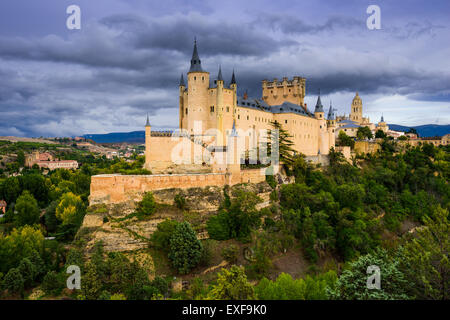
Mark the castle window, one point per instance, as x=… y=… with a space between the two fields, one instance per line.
x=211 y=109
x=195 y=78
x=186 y=110
x=239 y=116
x=285 y=121
x=247 y=118
x=228 y=109
x=203 y=78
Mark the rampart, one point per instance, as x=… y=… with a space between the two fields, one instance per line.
x=116 y=188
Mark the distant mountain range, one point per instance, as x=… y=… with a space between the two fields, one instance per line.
x=117 y=137
x=427 y=130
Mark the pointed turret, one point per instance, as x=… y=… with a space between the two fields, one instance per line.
x=219 y=76
x=319 y=106
x=233 y=79
x=148 y=122
x=382 y=118
x=196 y=64
x=182 y=81
x=331 y=113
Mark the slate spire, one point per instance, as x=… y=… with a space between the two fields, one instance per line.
x=319 y=106
x=196 y=64
x=233 y=78
x=219 y=76
x=182 y=81
x=331 y=112
x=148 y=121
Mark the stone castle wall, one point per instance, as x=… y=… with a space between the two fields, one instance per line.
x=116 y=188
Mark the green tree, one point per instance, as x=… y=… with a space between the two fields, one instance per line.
x=53 y=283
x=363 y=133
x=70 y=210
x=185 y=249
x=379 y=134
x=21 y=158
x=14 y=282
x=286 y=288
x=352 y=283
x=425 y=258
x=236 y=218
x=164 y=231
x=28 y=272
x=20 y=243
x=345 y=140
x=27 y=210
x=285 y=143
x=147 y=206
x=232 y=284
x=91 y=285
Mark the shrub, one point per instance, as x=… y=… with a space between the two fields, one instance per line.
x=28 y=272
x=27 y=210
x=147 y=206
x=270 y=179
x=207 y=251
x=53 y=283
x=217 y=226
x=180 y=201
x=232 y=284
x=161 y=285
x=185 y=248
x=164 y=231
x=230 y=253
x=14 y=281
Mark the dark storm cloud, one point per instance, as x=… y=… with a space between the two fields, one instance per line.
x=108 y=75
x=289 y=24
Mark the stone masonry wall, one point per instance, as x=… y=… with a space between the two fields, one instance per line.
x=116 y=188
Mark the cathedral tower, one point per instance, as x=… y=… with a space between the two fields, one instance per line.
x=356 y=109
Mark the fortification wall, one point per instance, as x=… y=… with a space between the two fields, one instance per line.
x=116 y=188
x=252 y=176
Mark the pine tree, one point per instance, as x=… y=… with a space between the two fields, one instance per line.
x=285 y=143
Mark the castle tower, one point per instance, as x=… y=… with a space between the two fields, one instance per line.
x=356 y=109
x=293 y=91
x=331 y=123
x=197 y=95
x=182 y=91
x=148 y=134
x=219 y=115
x=331 y=118
x=319 y=114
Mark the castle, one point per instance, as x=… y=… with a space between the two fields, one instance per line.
x=218 y=129
x=210 y=111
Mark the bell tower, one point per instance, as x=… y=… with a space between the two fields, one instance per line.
x=356 y=109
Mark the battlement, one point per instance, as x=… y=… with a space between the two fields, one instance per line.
x=276 y=92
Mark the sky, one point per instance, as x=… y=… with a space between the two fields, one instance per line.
x=127 y=58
